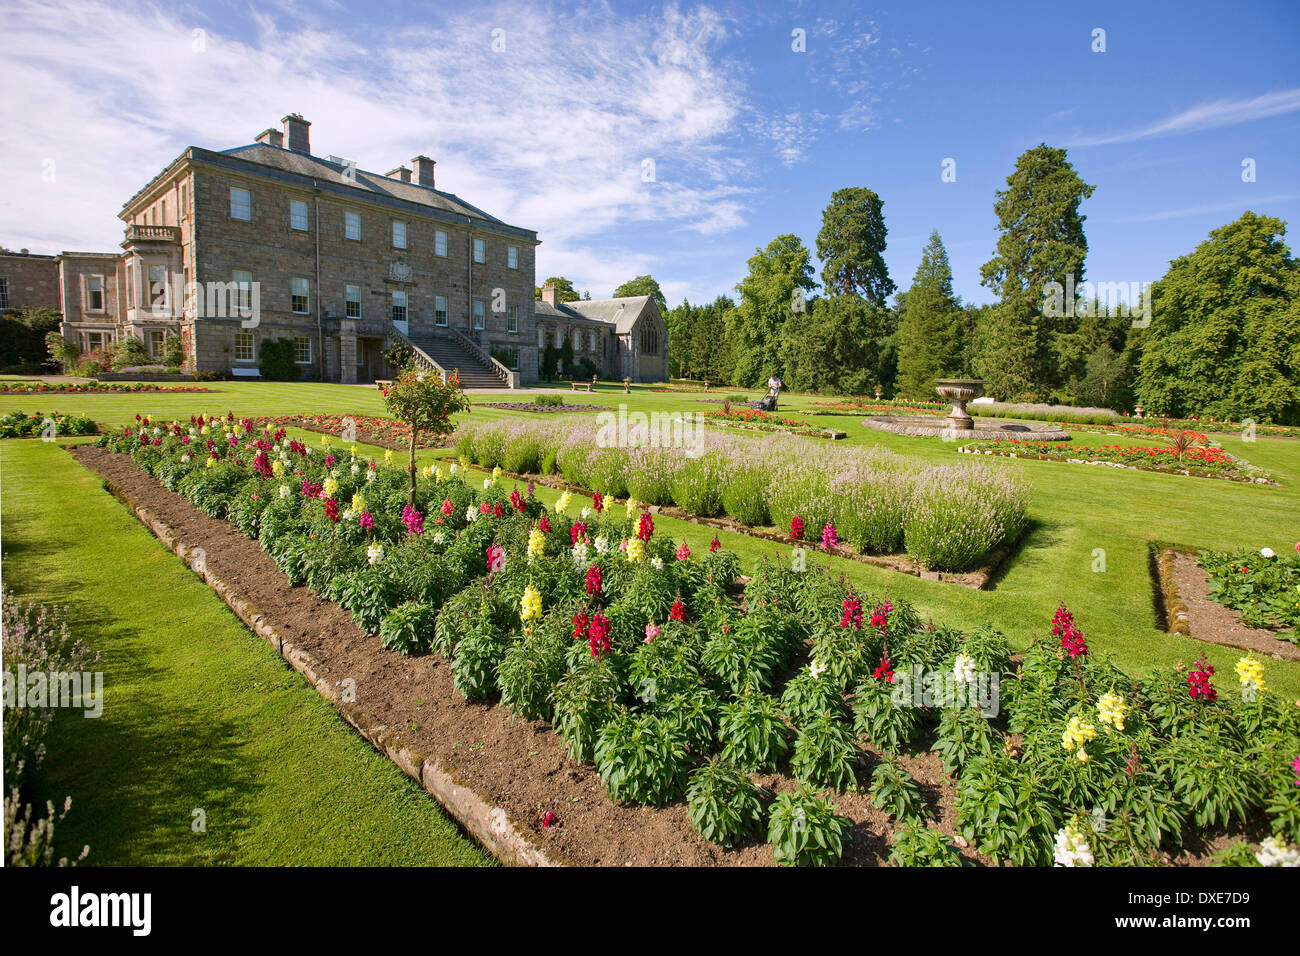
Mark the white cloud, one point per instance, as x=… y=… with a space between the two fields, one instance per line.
x=1210 y=115
x=549 y=134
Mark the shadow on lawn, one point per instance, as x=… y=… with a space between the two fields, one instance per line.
x=137 y=773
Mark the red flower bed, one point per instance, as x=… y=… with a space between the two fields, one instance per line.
x=91 y=388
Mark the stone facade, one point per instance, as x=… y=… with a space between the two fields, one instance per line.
x=28 y=281
x=624 y=338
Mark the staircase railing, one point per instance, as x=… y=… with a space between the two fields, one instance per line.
x=511 y=379
x=422 y=358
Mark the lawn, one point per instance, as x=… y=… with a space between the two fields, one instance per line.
x=1087 y=547
x=199 y=714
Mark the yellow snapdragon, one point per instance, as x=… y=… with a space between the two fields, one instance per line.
x=530 y=606
x=536 y=543
x=331 y=487
x=562 y=503
x=1110 y=710
x=635 y=550
x=1077 y=733
x=1250 y=672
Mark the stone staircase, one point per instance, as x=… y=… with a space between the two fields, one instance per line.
x=451 y=355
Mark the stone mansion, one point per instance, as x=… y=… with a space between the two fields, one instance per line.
x=267 y=241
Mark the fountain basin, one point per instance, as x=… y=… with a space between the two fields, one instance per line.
x=959 y=425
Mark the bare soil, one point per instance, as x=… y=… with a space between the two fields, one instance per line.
x=1213 y=622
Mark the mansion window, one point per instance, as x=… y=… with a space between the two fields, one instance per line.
x=95 y=341
x=541 y=337
x=509 y=358
x=593 y=341
x=241 y=204
x=512 y=257
x=156 y=340
x=302 y=350
x=480 y=250
x=399 y=306
x=299 y=293
x=512 y=318
x=157 y=286
x=480 y=314
x=559 y=337
x=4 y=293
x=399 y=235
x=440 y=310
x=577 y=340
x=352 y=301
x=243 y=281
x=440 y=243
x=245 y=350
x=183 y=211
x=298 y=215
x=94 y=293
x=352 y=226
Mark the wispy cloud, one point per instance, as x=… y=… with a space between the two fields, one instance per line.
x=1236 y=204
x=552 y=132
x=1210 y=115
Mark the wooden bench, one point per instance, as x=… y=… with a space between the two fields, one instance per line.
x=582 y=386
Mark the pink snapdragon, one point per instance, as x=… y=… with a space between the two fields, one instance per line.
x=413 y=520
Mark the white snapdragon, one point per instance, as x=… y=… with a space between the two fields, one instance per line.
x=471 y=514
x=284 y=491
x=581 y=552
x=1072 y=848
x=963 y=669
x=657 y=563
x=439 y=538
x=374 y=554
x=370 y=476
x=816 y=668
x=1275 y=852
x=602 y=545
x=355 y=469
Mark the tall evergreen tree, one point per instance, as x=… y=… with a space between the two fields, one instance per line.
x=843 y=345
x=1041 y=241
x=930 y=339
x=851 y=246
x=767 y=298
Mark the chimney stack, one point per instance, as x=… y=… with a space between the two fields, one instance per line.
x=295 y=133
x=423 y=170
x=271 y=137
x=550 y=294
x=401 y=172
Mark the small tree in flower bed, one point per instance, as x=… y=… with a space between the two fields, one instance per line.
x=425 y=403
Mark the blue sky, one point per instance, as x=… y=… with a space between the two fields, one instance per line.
x=549 y=121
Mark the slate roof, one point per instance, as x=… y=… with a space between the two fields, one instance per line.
x=620 y=313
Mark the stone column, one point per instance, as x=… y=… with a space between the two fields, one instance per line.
x=348 y=352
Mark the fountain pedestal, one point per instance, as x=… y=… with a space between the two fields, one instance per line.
x=959 y=391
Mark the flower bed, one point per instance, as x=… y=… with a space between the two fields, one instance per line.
x=945 y=517
x=636 y=654
x=1263 y=586
x=91 y=388
x=756 y=419
x=1211 y=425
x=1197 y=462
x=23 y=425
x=899 y=406
x=383 y=432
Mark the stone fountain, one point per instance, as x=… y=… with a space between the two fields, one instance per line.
x=959 y=425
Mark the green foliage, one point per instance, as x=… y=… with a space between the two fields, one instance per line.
x=643 y=285
x=1266 y=592
x=825 y=754
x=408 y=628
x=1041 y=240
x=915 y=844
x=528 y=672
x=753 y=735
x=277 y=364
x=963 y=735
x=399 y=357
x=806 y=697
x=841 y=345
x=723 y=803
x=1001 y=808
x=585 y=700
x=1225 y=321
x=478 y=655
x=894 y=790
x=642 y=758
x=779 y=275
x=565 y=292
x=931 y=326
x=888 y=725
x=805 y=830
x=851 y=246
